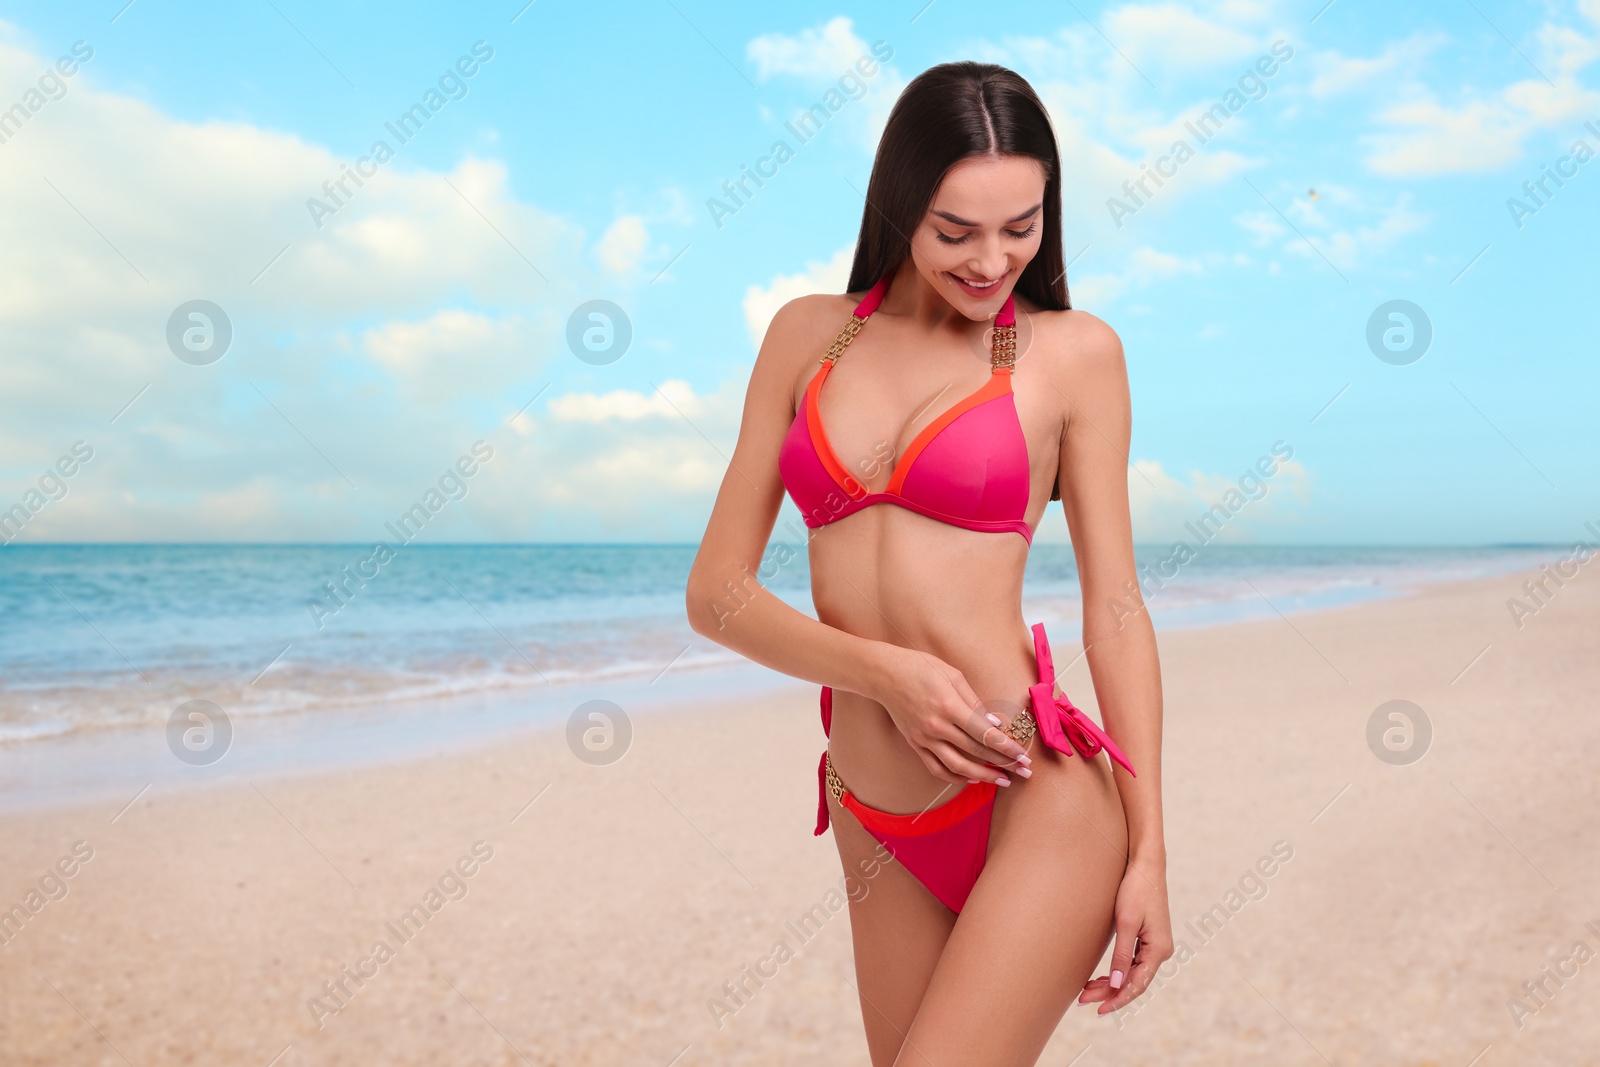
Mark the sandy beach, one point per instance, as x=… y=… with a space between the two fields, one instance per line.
x=517 y=905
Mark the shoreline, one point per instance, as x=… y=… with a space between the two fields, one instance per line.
x=59 y=678
x=101 y=764
x=118 y=756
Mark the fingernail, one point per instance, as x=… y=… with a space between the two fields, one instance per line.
x=1116 y=979
x=994 y=720
x=1002 y=781
x=1024 y=772
x=1025 y=760
x=972 y=781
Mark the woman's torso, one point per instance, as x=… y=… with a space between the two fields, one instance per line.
x=887 y=573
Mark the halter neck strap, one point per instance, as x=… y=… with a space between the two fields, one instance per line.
x=874 y=297
x=1003 y=346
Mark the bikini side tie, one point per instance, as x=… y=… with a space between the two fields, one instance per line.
x=1063 y=726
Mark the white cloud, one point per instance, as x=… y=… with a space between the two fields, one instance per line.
x=1263 y=226
x=820 y=55
x=1161 y=504
x=1343 y=225
x=374 y=347
x=1486 y=132
x=675 y=399
x=761 y=303
x=1432 y=139
x=1336 y=73
x=1104 y=126
x=1173 y=37
x=623 y=463
x=446 y=354
x=1346 y=244
x=622 y=245
x=1143 y=266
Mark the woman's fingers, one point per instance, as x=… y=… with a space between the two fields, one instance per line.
x=1121 y=963
x=1132 y=973
x=955 y=734
x=996 y=746
x=965 y=768
x=1139 y=976
x=1096 y=989
x=937 y=768
x=983 y=725
x=998 y=741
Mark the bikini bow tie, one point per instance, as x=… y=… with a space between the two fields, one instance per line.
x=1062 y=725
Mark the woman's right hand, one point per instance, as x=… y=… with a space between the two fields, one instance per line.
x=945 y=722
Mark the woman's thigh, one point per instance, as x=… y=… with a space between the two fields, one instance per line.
x=898 y=929
x=1037 y=922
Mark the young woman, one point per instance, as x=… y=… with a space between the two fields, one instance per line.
x=921 y=469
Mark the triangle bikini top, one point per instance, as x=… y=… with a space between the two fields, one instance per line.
x=967 y=468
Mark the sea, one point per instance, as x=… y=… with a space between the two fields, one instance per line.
x=326 y=655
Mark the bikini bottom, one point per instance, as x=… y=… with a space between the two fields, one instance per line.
x=945 y=847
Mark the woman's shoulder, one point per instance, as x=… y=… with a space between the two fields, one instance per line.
x=819 y=310
x=805 y=322
x=1077 y=342
x=798 y=334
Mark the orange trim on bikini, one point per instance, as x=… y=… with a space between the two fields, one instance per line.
x=998 y=385
x=819 y=438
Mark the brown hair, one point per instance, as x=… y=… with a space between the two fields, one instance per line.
x=949 y=113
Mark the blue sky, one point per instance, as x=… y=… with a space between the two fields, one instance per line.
x=576 y=161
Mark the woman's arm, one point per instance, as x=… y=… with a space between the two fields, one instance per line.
x=1119 y=641
x=929 y=700
x=725 y=600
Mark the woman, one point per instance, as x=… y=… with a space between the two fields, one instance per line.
x=950 y=750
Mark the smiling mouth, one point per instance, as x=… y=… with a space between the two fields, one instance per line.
x=979 y=287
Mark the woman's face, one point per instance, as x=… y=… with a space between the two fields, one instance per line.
x=982 y=228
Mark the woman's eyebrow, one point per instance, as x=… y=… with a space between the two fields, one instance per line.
x=957 y=220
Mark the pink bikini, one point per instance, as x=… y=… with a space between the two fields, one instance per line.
x=967 y=468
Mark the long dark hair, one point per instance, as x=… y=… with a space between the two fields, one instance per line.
x=948 y=113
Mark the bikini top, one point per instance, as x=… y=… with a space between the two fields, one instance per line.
x=968 y=467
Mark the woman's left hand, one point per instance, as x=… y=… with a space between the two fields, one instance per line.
x=1141 y=916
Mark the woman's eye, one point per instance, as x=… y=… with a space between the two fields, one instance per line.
x=947 y=239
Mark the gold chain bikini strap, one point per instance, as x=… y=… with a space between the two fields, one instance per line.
x=842 y=342
x=1022 y=728
x=1002 y=350
x=835 y=783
